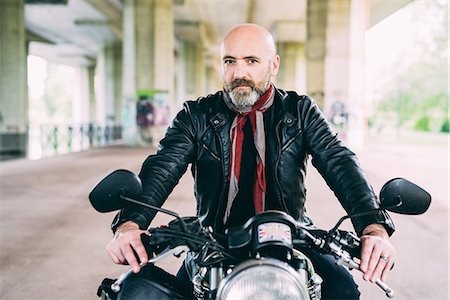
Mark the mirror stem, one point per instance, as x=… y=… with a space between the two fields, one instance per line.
x=369 y=212
x=160 y=209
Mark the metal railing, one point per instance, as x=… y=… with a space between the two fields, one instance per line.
x=57 y=139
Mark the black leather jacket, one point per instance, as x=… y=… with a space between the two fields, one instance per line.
x=200 y=136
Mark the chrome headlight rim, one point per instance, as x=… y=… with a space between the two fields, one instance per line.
x=224 y=285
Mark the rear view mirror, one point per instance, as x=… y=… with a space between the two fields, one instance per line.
x=106 y=195
x=404 y=197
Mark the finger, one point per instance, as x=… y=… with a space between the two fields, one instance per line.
x=140 y=250
x=387 y=268
x=114 y=257
x=115 y=253
x=130 y=257
x=372 y=260
x=379 y=269
x=366 y=251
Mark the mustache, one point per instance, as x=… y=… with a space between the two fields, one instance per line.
x=241 y=81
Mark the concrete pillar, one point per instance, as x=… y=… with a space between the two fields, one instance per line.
x=91 y=93
x=13 y=80
x=194 y=69
x=335 y=61
x=117 y=61
x=337 y=58
x=129 y=78
x=109 y=85
x=347 y=22
x=214 y=81
x=358 y=122
x=180 y=73
x=292 y=75
x=148 y=60
x=81 y=108
x=316 y=48
x=163 y=62
x=101 y=90
x=81 y=104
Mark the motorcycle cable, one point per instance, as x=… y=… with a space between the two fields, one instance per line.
x=160 y=209
x=369 y=212
x=168 y=233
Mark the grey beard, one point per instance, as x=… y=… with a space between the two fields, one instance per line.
x=243 y=100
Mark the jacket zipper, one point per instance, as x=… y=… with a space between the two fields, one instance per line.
x=225 y=176
x=277 y=181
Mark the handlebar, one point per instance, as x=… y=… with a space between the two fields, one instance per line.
x=188 y=234
x=345 y=246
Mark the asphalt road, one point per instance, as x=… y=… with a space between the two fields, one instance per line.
x=52 y=241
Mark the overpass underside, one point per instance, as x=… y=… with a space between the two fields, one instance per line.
x=141 y=58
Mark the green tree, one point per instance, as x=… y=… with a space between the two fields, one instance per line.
x=417 y=92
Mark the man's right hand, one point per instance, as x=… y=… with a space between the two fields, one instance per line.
x=126 y=245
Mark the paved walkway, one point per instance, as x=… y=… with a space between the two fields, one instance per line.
x=52 y=242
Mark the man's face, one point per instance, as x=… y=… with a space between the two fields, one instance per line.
x=247 y=68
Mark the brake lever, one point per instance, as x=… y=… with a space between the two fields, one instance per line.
x=387 y=290
x=177 y=251
x=346 y=246
x=346 y=259
x=345 y=256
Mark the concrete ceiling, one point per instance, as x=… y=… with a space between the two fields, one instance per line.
x=72 y=31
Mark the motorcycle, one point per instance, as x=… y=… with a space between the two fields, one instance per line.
x=263 y=259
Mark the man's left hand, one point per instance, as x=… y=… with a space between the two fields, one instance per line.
x=377 y=253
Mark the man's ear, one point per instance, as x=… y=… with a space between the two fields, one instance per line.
x=275 y=65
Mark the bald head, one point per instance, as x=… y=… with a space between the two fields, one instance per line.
x=248 y=35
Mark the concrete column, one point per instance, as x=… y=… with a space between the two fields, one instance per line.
x=81 y=105
x=101 y=90
x=214 y=81
x=109 y=84
x=143 y=27
x=195 y=70
x=129 y=78
x=180 y=71
x=163 y=48
x=81 y=108
x=91 y=93
x=344 y=67
x=117 y=61
x=359 y=23
x=316 y=26
x=337 y=58
x=13 y=80
x=292 y=75
x=148 y=60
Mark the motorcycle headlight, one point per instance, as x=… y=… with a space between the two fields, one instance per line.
x=266 y=279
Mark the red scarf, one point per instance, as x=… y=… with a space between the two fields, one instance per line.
x=255 y=115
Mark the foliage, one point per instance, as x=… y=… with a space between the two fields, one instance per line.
x=445 y=126
x=416 y=93
x=423 y=124
x=54 y=105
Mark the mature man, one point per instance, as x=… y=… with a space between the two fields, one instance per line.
x=248 y=146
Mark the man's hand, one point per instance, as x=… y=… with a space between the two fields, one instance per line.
x=126 y=246
x=377 y=253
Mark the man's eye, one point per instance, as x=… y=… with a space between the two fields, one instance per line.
x=252 y=61
x=228 y=61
